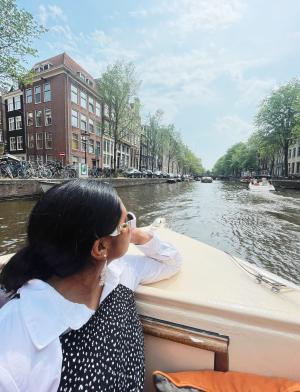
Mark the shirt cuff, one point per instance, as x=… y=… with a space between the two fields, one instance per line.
x=152 y=247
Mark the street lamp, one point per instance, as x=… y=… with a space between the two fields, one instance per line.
x=85 y=134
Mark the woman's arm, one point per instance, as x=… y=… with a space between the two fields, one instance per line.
x=161 y=260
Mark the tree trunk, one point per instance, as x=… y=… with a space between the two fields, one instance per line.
x=286 y=151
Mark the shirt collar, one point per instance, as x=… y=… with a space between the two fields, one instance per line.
x=47 y=314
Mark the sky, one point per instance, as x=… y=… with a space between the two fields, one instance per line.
x=207 y=64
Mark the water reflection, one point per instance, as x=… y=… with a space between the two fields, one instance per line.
x=263 y=229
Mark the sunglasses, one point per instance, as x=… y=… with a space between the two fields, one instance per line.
x=130 y=223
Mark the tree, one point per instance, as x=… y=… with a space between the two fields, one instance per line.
x=118 y=88
x=17 y=31
x=278 y=119
x=153 y=134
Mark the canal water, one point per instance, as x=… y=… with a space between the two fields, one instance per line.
x=262 y=229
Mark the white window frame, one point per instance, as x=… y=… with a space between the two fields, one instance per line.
x=31 y=140
x=83 y=119
x=83 y=99
x=36 y=93
x=74 y=92
x=39 y=138
x=19 y=143
x=38 y=111
x=74 y=117
x=91 y=146
x=48 y=138
x=11 y=124
x=47 y=117
x=98 y=109
x=48 y=91
x=12 y=144
x=75 y=138
x=17 y=102
x=91 y=103
x=18 y=122
x=28 y=96
x=91 y=126
x=10 y=105
x=28 y=117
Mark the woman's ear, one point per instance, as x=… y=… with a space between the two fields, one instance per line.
x=99 y=250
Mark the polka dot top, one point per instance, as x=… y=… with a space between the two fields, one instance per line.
x=106 y=353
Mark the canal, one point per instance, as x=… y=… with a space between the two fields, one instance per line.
x=262 y=229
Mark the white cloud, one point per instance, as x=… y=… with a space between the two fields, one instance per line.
x=50 y=12
x=186 y=16
x=232 y=128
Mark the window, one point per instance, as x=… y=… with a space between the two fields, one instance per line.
x=74 y=94
x=98 y=129
x=91 y=126
x=30 y=141
x=28 y=94
x=47 y=92
x=18 y=102
x=293 y=168
x=294 y=152
x=39 y=141
x=91 y=104
x=18 y=122
x=81 y=75
x=49 y=158
x=98 y=109
x=91 y=146
x=29 y=119
x=37 y=94
x=106 y=111
x=98 y=148
x=38 y=118
x=1 y=137
x=48 y=117
x=48 y=140
x=290 y=153
x=298 y=168
x=83 y=99
x=83 y=143
x=12 y=144
x=19 y=142
x=74 y=119
x=11 y=124
x=10 y=104
x=83 y=122
x=298 y=151
x=75 y=141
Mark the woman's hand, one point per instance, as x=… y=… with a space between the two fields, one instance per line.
x=140 y=237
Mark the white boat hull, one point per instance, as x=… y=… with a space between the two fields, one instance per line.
x=261 y=188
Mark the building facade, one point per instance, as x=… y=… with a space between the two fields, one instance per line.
x=63 y=114
x=14 y=135
x=294 y=159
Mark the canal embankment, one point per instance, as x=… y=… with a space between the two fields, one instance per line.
x=19 y=188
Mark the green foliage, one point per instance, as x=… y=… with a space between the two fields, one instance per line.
x=17 y=31
x=277 y=120
x=118 y=88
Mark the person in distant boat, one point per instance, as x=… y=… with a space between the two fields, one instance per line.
x=71 y=322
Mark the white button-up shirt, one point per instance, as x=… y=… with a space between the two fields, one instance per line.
x=30 y=350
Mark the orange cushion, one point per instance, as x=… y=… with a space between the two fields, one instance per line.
x=212 y=381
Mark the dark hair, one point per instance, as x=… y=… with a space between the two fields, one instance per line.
x=62 y=228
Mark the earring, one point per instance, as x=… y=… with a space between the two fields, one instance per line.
x=103 y=273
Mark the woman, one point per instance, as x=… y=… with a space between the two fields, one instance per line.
x=71 y=323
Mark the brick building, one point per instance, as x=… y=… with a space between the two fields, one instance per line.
x=63 y=113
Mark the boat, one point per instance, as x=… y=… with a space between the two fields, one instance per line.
x=207 y=179
x=261 y=186
x=219 y=312
x=171 y=180
x=47 y=184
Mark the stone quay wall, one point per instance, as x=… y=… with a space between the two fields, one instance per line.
x=15 y=188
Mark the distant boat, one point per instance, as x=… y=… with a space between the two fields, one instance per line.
x=263 y=186
x=206 y=179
